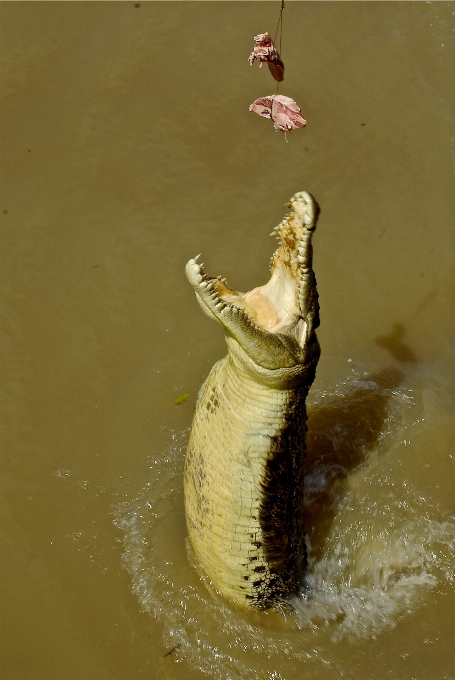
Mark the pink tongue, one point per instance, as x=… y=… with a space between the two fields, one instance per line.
x=257 y=306
x=260 y=309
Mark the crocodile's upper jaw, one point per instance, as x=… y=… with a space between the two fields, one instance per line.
x=281 y=305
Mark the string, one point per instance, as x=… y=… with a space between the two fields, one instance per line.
x=280 y=23
x=280 y=27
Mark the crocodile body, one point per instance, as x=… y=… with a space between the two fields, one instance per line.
x=244 y=467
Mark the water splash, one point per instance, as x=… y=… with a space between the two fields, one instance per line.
x=374 y=552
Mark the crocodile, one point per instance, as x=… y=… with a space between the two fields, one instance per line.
x=244 y=465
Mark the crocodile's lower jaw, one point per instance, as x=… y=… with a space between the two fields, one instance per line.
x=243 y=478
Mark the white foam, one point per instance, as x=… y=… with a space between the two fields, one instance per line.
x=385 y=549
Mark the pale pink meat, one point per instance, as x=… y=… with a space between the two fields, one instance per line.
x=284 y=111
x=265 y=52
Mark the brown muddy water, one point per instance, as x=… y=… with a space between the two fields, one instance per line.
x=127 y=149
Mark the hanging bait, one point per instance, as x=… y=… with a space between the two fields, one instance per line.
x=266 y=52
x=282 y=110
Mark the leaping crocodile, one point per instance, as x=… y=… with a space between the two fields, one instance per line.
x=244 y=467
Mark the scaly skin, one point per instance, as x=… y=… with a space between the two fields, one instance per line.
x=244 y=466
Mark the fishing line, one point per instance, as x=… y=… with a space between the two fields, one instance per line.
x=279 y=27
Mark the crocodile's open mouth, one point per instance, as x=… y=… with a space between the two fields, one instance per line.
x=277 y=306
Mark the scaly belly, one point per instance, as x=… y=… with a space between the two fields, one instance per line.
x=243 y=486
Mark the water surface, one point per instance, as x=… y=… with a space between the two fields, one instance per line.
x=127 y=149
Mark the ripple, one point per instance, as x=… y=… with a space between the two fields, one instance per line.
x=382 y=549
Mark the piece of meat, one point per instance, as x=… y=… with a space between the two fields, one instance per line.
x=284 y=112
x=266 y=52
